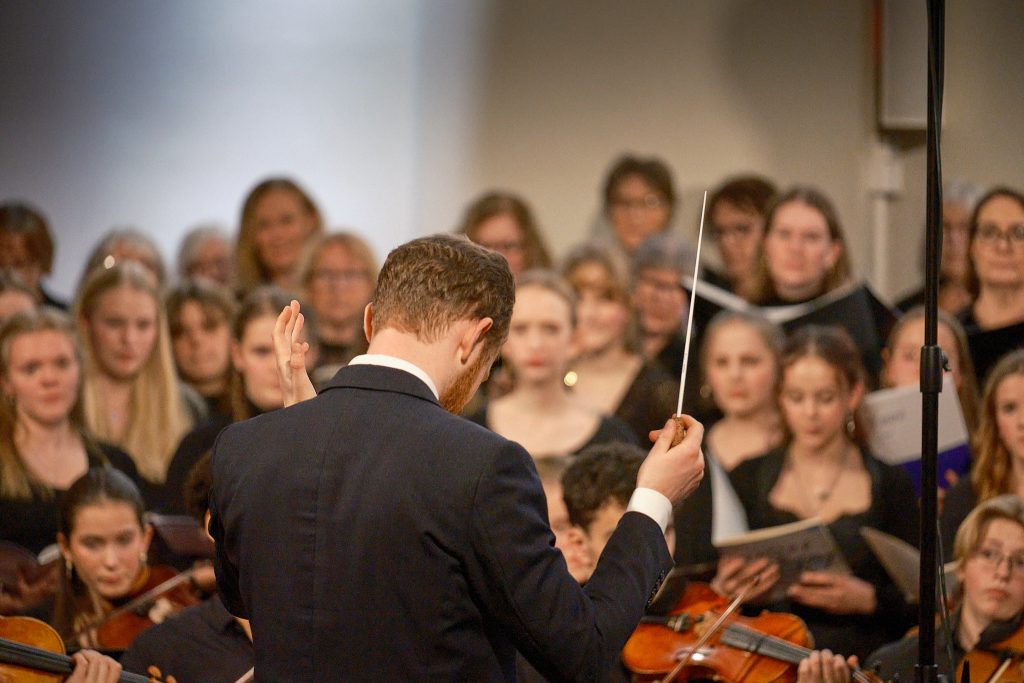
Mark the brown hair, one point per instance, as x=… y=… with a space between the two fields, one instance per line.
x=652 y=170
x=817 y=200
x=22 y=219
x=967 y=392
x=600 y=475
x=747 y=192
x=834 y=346
x=248 y=269
x=973 y=284
x=263 y=301
x=430 y=283
x=16 y=481
x=992 y=473
x=498 y=203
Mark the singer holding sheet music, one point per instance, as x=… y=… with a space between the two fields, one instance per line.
x=824 y=471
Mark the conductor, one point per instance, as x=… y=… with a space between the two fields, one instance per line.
x=370 y=534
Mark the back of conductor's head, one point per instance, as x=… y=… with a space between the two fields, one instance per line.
x=430 y=283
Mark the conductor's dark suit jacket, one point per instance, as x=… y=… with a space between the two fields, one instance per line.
x=370 y=535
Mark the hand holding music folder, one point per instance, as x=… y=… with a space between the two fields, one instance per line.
x=804 y=546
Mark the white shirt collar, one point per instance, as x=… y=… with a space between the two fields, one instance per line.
x=397 y=364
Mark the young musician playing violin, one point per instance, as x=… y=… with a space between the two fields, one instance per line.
x=204 y=643
x=988 y=619
x=104 y=540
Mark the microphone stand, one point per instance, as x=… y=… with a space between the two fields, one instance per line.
x=932 y=361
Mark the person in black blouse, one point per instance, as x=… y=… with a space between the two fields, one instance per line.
x=44 y=444
x=254 y=387
x=823 y=470
x=540 y=413
x=609 y=373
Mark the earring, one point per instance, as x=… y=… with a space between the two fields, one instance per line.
x=705 y=391
x=851 y=424
x=69 y=567
x=143 y=557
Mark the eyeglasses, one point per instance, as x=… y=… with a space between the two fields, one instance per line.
x=339 y=277
x=660 y=286
x=649 y=202
x=991 y=235
x=992 y=559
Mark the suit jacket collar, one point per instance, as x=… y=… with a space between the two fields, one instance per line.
x=380 y=378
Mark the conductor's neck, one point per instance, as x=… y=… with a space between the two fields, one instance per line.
x=433 y=358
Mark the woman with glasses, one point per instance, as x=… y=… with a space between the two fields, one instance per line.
x=503 y=222
x=995 y=277
x=997 y=447
x=736 y=217
x=338 y=275
x=639 y=201
x=990 y=571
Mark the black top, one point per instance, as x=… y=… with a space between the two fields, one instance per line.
x=608 y=429
x=371 y=535
x=649 y=401
x=670 y=359
x=195 y=444
x=988 y=346
x=893 y=509
x=33 y=523
x=202 y=644
x=960 y=500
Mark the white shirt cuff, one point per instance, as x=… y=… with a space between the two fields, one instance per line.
x=653 y=504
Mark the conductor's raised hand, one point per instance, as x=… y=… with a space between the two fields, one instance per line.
x=674 y=471
x=291 y=356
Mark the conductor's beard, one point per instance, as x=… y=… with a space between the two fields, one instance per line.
x=458 y=393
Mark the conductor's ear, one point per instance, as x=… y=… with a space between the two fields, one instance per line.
x=368 y=321
x=474 y=337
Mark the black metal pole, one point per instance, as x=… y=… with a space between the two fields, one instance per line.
x=931 y=354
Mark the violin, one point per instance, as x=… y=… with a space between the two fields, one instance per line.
x=1001 y=662
x=158 y=592
x=33 y=652
x=761 y=649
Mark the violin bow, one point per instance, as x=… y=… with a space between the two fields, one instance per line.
x=713 y=629
x=134 y=603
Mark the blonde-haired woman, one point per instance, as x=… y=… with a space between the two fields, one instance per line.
x=131 y=393
x=997 y=447
x=44 y=442
x=278 y=220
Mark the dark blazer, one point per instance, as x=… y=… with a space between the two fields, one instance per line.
x=371 y=535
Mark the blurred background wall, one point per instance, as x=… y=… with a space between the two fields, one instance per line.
x=395 y=113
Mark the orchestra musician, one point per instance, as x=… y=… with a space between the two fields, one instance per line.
x=103 y=540
x=469 y=573
x=990 y=610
